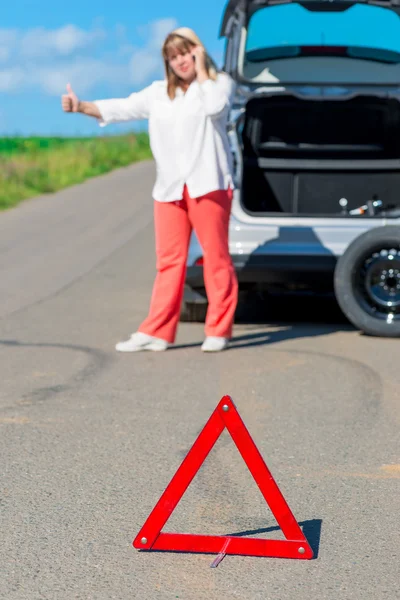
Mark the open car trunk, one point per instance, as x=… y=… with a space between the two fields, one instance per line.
x=301 y=156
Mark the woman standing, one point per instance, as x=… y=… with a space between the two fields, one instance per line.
x=187 y=115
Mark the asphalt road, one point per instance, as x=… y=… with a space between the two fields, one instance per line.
x=89 y=438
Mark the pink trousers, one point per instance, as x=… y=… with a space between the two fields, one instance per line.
x=209 y=217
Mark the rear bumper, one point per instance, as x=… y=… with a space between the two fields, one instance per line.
x=273 y=269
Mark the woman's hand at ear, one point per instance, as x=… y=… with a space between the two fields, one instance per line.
x=199 y=55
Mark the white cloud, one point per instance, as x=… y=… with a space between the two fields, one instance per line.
x=8 y=40
x=121 y=32
x=42 y=43
x=11 y=79
x=147 y=62
x=143 y=65
x=4 y=54
x=126 y=49
x=159 y=31
x=8 y=37
x=47 y=59
x=64 y=41
x=83 y=76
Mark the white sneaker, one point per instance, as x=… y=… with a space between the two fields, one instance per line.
x=141 y=341
x=215 y=344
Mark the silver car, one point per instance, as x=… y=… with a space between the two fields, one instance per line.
x=315 y=134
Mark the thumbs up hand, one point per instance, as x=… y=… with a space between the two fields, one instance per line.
x=70 y=101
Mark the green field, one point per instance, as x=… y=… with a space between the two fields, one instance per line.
x=34 y=166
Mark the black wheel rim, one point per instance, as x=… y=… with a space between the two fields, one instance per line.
x=376 y=283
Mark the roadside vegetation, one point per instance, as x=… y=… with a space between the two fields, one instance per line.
x=33 y=166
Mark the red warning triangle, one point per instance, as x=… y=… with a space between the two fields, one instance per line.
x=150 y=536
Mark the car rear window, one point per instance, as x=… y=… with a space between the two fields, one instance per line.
x=290 y=30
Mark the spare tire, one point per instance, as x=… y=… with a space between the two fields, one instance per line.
x=367 y=282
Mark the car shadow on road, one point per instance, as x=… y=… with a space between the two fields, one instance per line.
x=275 y=336
x=311 y=529
x=285 y=318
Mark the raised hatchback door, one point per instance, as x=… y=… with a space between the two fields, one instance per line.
x=235 y=7
x=313 y=41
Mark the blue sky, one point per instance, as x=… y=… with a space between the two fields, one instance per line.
x=112 y=48
x=105 y=49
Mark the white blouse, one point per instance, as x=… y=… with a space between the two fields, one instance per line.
x=188 y=135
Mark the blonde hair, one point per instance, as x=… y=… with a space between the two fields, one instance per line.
x=183 y=39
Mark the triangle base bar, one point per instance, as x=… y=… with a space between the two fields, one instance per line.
x=209 y=544
x=151 y=537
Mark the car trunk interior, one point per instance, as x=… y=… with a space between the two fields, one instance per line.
x=301 y=156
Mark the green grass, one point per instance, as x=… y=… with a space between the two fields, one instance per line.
x=34 y=166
